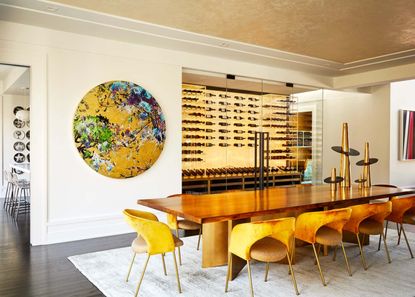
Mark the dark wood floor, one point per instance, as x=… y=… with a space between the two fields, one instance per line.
x=27 y=271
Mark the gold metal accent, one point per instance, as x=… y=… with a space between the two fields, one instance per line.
x=333 y=185
x=346 y=260
x=228 y=275
x=386 y=248
x=399 y=233
x=198 y=240
x=366 y=168
x=266 y=271
x=131 y=266
x=318 y=264
x=177 y=271
x=362 y=256
x=164 y=264
x=318 y=253
x=344 y=158
x=406 y=239
x=360 y=184
x=178 y=248
x=142 y=276
x=250 y=277
x=292 y=274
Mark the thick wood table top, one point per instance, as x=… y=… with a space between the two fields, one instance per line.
x=245 y=204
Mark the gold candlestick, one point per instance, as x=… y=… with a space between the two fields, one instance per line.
x=333 y=184
x=344 y=159
x=366 y=168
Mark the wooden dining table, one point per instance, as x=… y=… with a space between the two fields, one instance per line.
x=219 y=213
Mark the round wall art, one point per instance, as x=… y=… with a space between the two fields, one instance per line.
x=119 y=129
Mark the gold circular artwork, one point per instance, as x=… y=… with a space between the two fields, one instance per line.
x=119 y=129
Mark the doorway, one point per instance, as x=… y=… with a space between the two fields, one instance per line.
x=15 y=152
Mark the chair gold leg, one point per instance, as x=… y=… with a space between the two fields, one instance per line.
x=198 y=240
x=266 y=271
x=131 y=266
x=380 y=237
x=318 y=264
x=250 y=277
x=177 y=272
x=362 y=256
x=228 y=274
x=318 y=253
x=292 y=274
x=335 y=253
x=407 y=242
x=386 y=248
x=346 y=260
x=399 y=233
x=178 y=248
x=164 y=264
x=142 y=276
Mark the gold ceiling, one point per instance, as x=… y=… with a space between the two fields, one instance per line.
x=337 y=30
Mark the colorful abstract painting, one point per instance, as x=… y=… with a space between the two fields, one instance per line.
x=119 y=129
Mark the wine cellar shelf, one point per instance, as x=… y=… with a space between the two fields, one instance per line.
x=219 y=130
x=241 y=182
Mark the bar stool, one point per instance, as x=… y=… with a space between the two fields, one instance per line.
x=21 y=197
x=9 y=190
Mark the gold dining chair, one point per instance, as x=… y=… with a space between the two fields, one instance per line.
x=176 y=224
x=153 y=238
x=265 y=241
x=323 y=228
x=403 y=212
x=367 y=219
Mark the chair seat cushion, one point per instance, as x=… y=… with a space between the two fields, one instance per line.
x=328 y=236
x=188 y=225
x=268 y=249
x=409 y=218
x=140 y=246
x=371 y=227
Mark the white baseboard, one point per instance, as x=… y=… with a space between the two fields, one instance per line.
x=91 y=227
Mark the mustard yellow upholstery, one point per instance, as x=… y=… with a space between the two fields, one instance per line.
x=266 y=241
x=157 y=235
x=243 y=236
x=323 y=227
x=176 y=224
x=139 y=245
x=403 y=212
x=368 y=219
x=308 y=224
x=377 y=212
x=400 y=208
x=153 y=237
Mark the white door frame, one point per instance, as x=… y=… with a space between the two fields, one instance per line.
x=36 y=59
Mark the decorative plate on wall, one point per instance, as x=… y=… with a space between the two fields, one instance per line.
x=19 y=134
x=16 y=109
x=19 y=146
x=18 y=123
x=19 y=158
x=28 y=133
x=119 y=129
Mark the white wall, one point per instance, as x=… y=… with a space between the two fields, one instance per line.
x=402 y=173
x=70 y=201
x=368 y=120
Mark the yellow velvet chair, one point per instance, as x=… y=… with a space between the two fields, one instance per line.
x=323 y=228
x=265 y=241
x=176 y=224
x=367 y=219
x=153 y=238
x=403 y=212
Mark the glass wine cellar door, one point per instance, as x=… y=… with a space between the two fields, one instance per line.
x=238 y=133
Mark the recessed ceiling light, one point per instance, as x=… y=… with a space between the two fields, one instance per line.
x=52 y=8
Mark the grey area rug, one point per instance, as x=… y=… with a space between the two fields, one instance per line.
x=107 y=271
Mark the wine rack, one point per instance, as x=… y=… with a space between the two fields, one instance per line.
x=218 y=130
